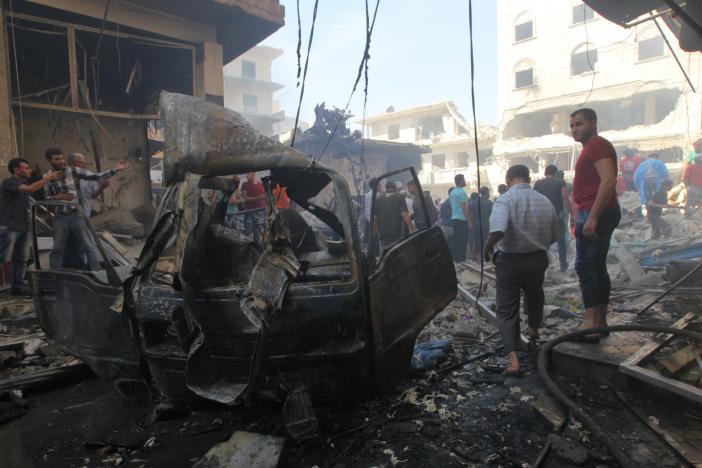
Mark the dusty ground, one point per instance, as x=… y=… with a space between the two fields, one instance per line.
x=468 y=415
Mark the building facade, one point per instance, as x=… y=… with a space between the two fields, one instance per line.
x=554 y=57
x=249 y=88
x=85 y=75
x=443 y=129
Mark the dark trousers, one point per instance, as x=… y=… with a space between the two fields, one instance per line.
x=459 y=239
x=591 y=257
x=562 y=248
x=659 y=226
x=516 y=273
x=14 y=247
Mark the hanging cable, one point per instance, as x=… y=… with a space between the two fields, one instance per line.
x=304 y=73
x=364 y=168
x=299 y=43
x=20 y=150
x=475 y=140
x=364 y=61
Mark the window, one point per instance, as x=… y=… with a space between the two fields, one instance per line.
x=393 y=132
x=250 y=103
x=650 y=44
x=582 y=13
x=438 y=160
x=248 y=69
x=524 y=31
x=583 y=59
x=462 y=159
x=524 y=74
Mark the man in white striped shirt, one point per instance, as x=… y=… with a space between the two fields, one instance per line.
x=523 y=225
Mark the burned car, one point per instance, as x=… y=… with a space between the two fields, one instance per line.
x=211 y=310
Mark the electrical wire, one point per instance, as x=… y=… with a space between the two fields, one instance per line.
x=304 y=73
x=299 y=43
x=361 y=66
x=475 y=140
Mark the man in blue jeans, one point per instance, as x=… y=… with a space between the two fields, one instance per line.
x=555 y=190
x=594 y=193
x=14 y=219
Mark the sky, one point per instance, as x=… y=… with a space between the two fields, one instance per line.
x=419 y=54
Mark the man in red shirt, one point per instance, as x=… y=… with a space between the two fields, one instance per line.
x=594 y=193
x=692 y=177
x=254 y=202
x=629 y=163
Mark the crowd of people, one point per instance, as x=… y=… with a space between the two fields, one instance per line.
x=70 y=185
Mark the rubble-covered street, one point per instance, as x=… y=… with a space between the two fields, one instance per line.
x=459 y=411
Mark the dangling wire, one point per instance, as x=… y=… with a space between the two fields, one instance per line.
x=477 y=151
x=299 y=43
x=361 y=66
x=20 y=150
x=304 y=73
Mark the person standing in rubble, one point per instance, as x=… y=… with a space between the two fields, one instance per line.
x=14 y=219
x=67 y=220
x=480 y=211
x=391 y=217
x=555 y=190
x=629 y=163
x=523 y=225
x=421 y=221
x=692 y=178
x=458 y=243
x=649 y=176
x=253 y=195
x=89 y=189
x=594 y=193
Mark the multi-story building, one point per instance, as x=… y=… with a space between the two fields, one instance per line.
x=443 y=129
x=249 y=88
x=554 y=57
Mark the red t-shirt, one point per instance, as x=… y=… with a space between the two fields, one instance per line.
x=586 y=180
x=253 y=190
x=693 y=175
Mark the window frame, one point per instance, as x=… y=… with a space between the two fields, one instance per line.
x=394 y=132
x=522 y=66
x=575 y=5
x=587 y=50
x=244 y=63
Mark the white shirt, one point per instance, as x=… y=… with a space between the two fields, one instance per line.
x=527 y=219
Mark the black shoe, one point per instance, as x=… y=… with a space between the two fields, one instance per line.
x=23 y=291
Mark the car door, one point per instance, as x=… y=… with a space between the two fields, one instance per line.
x=81 y=311
x=410 y=281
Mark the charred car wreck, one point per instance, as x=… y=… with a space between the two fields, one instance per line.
x=306 y=313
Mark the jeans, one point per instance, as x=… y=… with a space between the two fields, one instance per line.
x=562 y=246
x=459 y=240
x=591 y=257
x=64 y=224
x=516 y=273
x=17 y=243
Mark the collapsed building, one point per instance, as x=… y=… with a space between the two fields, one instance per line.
x=440 y=127
x=582 y=60
x=85 y=75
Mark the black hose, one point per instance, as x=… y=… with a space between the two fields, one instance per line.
x=592 y=426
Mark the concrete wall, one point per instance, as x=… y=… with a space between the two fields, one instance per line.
x=555 y=38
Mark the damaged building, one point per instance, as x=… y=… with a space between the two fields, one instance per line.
x=554 y=58
x=445 y=131
x=85 y=75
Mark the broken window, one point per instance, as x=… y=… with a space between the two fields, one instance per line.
x=524 y=31
x=248 y=69
x=250 y=103
x=393 y=132
x=462 y=159
x=582 y=13
x=651 y=47
x=126 y=74
x=583 y=60
x=430 y=126
x=39 y=67
x=438 y=160
x=112 y=72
